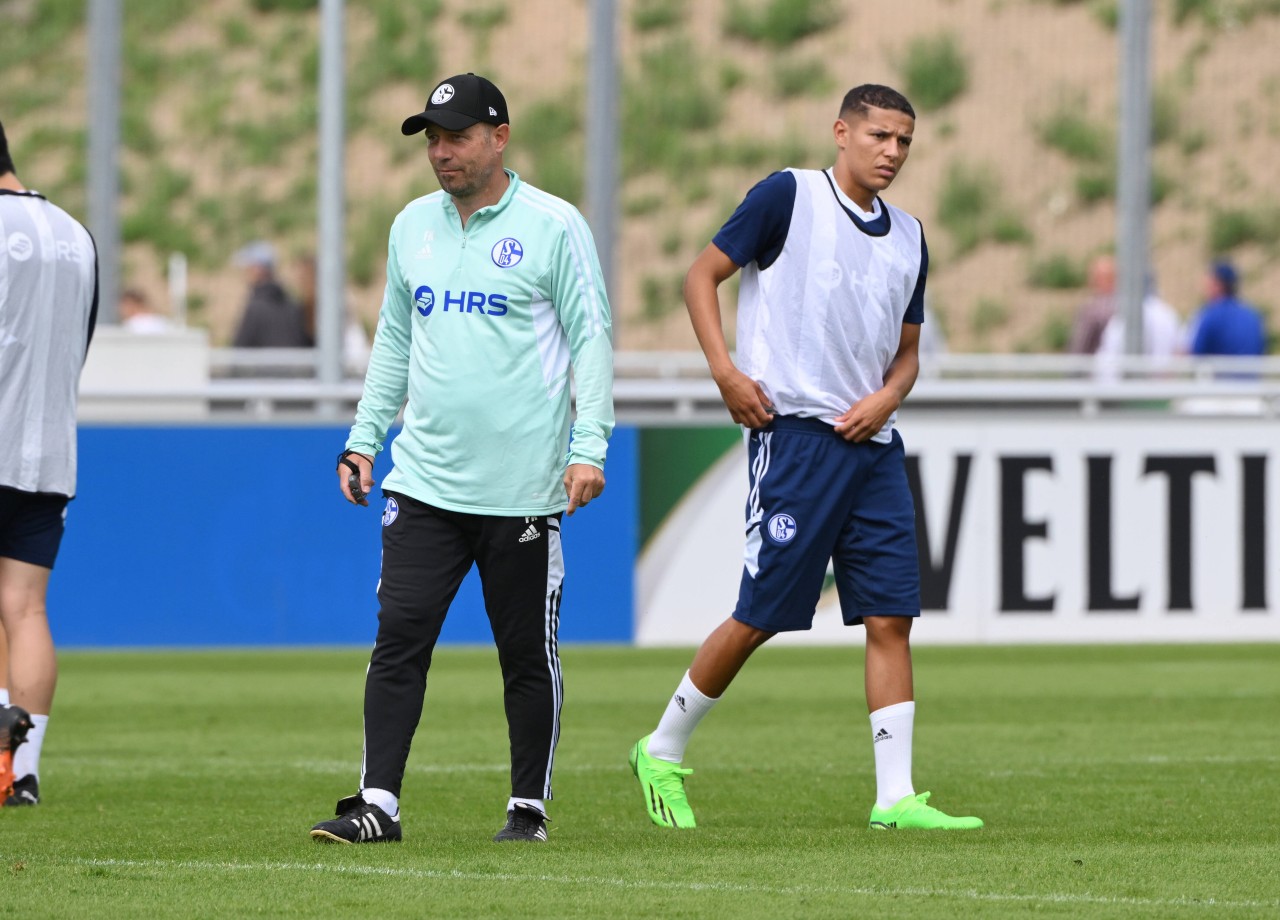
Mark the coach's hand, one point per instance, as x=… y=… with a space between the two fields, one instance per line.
x=366 y=477
x=583 y=482
x=744 y=398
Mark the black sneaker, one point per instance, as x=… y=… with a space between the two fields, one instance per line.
x=26 y=791
x=358 y=822
x=524 y=822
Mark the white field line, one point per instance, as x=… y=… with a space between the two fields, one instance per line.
x=221 y=764
x=964 y=894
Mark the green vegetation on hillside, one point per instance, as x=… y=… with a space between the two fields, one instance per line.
x=934 y=71
x=971 y=209
x=1230 y=228
x=220 y=117
x=780 y=23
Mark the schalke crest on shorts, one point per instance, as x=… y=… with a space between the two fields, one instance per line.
x=390 y=513
x=782 y=528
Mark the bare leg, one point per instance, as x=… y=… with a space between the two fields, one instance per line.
x=4 y=662
x=722 y=655
x=888 y=676
x=33 y=667
x=714 y=666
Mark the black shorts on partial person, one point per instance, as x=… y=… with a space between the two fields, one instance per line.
x=31 y=525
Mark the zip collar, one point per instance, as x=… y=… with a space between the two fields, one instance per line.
x=488 y=211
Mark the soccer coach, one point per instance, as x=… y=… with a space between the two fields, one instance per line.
x=494 y=290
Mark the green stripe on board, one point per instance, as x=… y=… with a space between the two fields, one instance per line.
x=671 y=460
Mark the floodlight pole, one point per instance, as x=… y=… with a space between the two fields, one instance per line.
x=1133 y=185
x=104 y=151
x=330 y=248
x=602 y=134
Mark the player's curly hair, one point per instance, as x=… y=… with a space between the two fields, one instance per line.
x=872 y=95
x=6 y=161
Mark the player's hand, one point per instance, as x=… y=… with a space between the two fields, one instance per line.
x=866 y=416
x=366 y=477
x=582 y=482
x=745 y=399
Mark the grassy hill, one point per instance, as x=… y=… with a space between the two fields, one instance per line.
x=1011 y=171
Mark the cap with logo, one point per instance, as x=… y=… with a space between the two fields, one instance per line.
x=458 y=103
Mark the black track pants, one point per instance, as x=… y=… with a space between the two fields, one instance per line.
x=426 y=552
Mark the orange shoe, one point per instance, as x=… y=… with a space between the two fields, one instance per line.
x=14 y=725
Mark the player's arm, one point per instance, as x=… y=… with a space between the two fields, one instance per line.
x=583 y=311
x=743 y=397
x=867 y=416
x=386 y=382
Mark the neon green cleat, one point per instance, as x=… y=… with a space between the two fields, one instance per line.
x=913 y=812
x=662 y=783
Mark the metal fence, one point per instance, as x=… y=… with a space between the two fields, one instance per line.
x=675 y=388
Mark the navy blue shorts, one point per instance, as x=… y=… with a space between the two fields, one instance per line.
x=31 y=525
x=817 y=498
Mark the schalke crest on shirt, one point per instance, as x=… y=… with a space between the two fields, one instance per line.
x=507 y=253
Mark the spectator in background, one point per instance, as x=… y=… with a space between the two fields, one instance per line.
x=1226 y=325
x=137 y=316
x=1161 y=336
x=355 y=341
x=271 y=318
x=1096 y=312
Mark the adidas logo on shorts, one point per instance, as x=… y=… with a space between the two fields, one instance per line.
x=530 y=533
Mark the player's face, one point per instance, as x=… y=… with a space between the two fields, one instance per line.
x=872 y=150
x=466 y=161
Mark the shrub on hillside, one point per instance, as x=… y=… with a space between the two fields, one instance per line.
x=279 y=6
x=798 y=78
x=1069 y=130
x=780 y=23
x=652 y=15
x=934 y=72
x=1234 y=227
x=969 y=208
x=1057 y=272
x=666 y=104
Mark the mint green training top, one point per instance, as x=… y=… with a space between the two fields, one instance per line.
x=478 y=329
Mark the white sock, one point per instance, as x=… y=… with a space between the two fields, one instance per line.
x=383 y=799
x=4 y=697
x=685 y=710
x=891 y=740
x=536 y=803
x=26 y=760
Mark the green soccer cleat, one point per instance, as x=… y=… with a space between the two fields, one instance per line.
x=912 y=812
x=662 y=783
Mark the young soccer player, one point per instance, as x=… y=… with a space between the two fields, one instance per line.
x=829 y=315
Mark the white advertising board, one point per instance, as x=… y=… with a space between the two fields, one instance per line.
x=1032 y=528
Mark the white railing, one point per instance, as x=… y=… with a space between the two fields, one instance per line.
x=675 y=388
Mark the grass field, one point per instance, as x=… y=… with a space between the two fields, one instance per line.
x=1115 y=782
